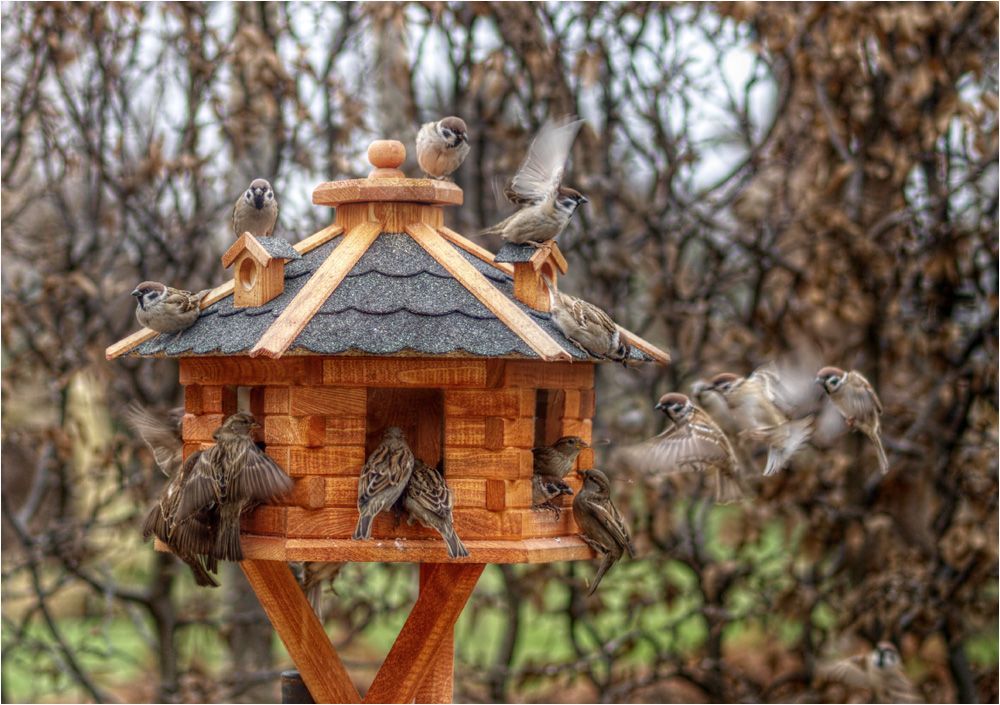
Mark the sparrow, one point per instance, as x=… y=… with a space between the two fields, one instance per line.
x=692 y=442
x=230 y=478
x=256 y=211
x=544 y=489
x=188 y=539
x=165 y=309
x=587 y=326
x=313 y=575
x=714 y=404
x=881 y=672
x=603 y=528
x=558 y=458
x=537 y=186
x=383 y=479
x=428 y=499
x=755 y=410
x=856 y=400
x=161 y=434
x=442 y=146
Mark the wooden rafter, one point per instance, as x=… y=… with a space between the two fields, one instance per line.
x=662 y=357
x=475 y=250
x=472 y=279
x=314 y=294
x=222 y=291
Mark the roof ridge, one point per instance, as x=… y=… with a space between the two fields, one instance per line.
x=315 y=292
x=479 y=286
x=475 y=250
x=222 y=291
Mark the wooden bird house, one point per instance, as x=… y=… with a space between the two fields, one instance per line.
x=259 y=274
x=389 y=318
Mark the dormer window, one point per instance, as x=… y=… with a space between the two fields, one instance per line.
x=260 y=268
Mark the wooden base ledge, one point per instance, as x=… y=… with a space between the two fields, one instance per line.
x=541 y=550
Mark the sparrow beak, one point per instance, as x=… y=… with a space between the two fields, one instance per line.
x=818 y=380
x=659 y=407
x=136 y=292
x=583 y=199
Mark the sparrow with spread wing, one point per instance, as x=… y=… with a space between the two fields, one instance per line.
x=547 y=205
x=880 y=671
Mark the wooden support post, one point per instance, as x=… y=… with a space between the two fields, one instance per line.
x=438 y=685
x=300 y=631
x=431 y=623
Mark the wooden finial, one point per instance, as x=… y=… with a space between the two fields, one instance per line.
x=386 y=156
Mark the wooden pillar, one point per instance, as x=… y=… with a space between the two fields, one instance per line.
x=438 y=685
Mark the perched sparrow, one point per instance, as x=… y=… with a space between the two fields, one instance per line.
x=587 y=326
x=165 y=309
x=187 y=539
x=442 y=146
x=383 y=479
x=231 y=478
x=881 y=672
x=314 y=573
x=692 y=443
x=537 y=186
x=858 y=403
x=603 y=528
x=256 y=211
x=756 y=412
x=558 y=458
x=161 y=434
x=428 y=499
x=544 y=489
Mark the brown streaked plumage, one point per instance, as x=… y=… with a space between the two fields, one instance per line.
x=548 y=206
x=428 y=499
x=691 y=443
x=165 y=309
x=383 y=479
x=880 y=671
x=587 y=326
x=558 y=458
x=162 y=433
x=856 y=400
x=545 y=489
x=234 y=476
x=603 y=527
x=188 y=538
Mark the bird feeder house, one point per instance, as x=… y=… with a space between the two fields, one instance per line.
x=388 y=318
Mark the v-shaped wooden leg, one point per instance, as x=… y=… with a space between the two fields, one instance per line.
x=413 y=663
x=300 y=631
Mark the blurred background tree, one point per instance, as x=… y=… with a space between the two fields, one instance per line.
x=815 y=183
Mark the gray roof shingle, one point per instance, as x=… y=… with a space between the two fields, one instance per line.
x=397 y=298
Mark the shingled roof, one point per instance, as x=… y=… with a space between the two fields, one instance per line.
x=371 y=290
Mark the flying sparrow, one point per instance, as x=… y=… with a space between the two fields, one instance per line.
x=428 y=499
x=383 y=479
x=165 y=309
x=881 y=672
x=231 y=478
x=714 y=404
x=858 y=403
x=537 y=186
x=755 y=410
x=256 y=211
x=603 y=528
x=161 y=434
x=544 y=489
x=692 y=443
x=190 y=538
x=587 y=326
x=442 y=146
x=314 y=573
x=558 y=458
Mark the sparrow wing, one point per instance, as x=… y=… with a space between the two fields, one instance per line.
x=849 y=672
x=606 y=513
x=162 y=435
x=696 y=446
x=428 y=489
x=201 y=484
x=181 y=301
x=861 y=397
x=261 y=479
x=387 y=467
x=541 y=171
